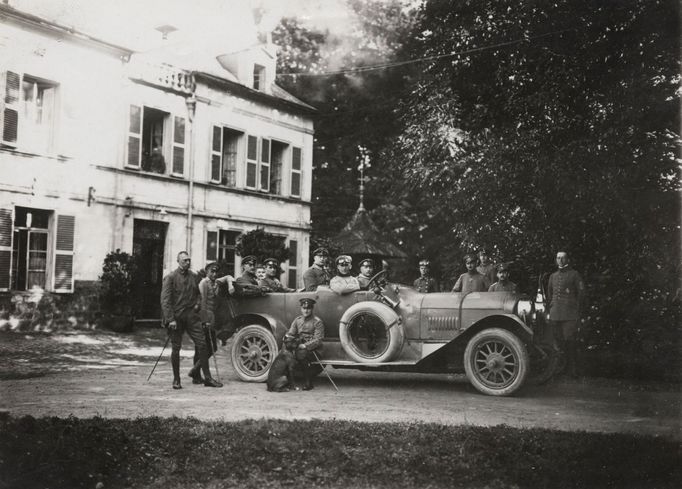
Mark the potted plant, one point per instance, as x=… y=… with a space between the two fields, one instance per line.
x=117 y=298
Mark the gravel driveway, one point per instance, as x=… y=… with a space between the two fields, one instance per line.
x=103 y=374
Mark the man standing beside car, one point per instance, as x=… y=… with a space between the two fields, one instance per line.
x=425 y=283
x=310 y=331
x=316 y=274
x=565 y=301
x=180 y=303
x=471 y=280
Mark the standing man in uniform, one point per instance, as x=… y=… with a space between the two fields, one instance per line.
x=486 y=267
x=344 y=282
x=503 y=283
x=316 y=274
x=247 y=284
x=310 y=330
x=471 y=280
x=366 y=273
x=271 y=283
x=425 y=283
x=180 y=303
x=565 y=301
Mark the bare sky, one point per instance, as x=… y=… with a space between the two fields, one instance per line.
x=132 y=23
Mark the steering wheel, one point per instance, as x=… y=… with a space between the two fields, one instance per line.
x=378 y=280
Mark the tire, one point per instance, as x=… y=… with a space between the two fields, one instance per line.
x=371 y=332
x=544 y=366
x=253 y=350
x=496 y=362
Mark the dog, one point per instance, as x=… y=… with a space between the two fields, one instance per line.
x=281 y=374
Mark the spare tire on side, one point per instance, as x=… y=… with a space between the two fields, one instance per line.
x=371 y=332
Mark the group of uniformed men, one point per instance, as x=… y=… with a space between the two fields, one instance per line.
x=188 y=306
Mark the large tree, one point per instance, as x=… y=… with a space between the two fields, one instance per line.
x=539 y=126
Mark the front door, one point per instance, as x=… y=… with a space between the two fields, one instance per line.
x=149 y=239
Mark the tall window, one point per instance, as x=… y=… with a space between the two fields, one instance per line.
x=224 y=155
x=296 y=172
x=258 y=77
x=276 y=164
x=28 y=111
x=293 y=264
x=156 y=141
x=221 y=245
x=36 y=249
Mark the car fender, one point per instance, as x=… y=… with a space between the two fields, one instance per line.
x=268 y=321
x=510 y=322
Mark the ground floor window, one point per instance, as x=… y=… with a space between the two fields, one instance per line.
x=36 y=249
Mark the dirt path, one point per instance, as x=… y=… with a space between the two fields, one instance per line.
x=112 y=383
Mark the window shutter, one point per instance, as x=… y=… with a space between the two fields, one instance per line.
x=178 y=146
x=134 y=137
x=63 y=254
x=217 y=154
x=251 y=161
x=296 y=172
x=6 y=233
x=10 y=90
x=211 y=246
x=265 y=165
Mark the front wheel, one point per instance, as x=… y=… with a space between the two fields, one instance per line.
x=253 y=351
x=496 y=362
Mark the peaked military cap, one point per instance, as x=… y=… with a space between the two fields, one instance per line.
x=307 y=301
x=503 y=266
x=424 y=263
x=470 y=257
x=249 y=259
x=211 y=266
x=367 y=261
x=321 y=252
x=344 y=259
x=271 y=261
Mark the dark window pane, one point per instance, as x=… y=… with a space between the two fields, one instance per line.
x=178 y=160
x=251 y=175
x=215 y=168
x=217 y=132
x=296 y=159
x=252 y=151
x=179 y=132
x=133 y=151
x=296 y=184
x=135 y=119
x=10 y=126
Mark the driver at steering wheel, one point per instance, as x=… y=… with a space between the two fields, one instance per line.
x=344 y=282
x=366 y=272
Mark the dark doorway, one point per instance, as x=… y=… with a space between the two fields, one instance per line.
x=149 y=238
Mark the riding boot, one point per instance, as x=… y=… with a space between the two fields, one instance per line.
x=175 y=364
x=208 y=380
x=571 y=354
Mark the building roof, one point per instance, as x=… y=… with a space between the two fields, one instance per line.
x=361 y=237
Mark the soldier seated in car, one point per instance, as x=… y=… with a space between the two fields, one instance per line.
x=344 y=282
x=271 y=283
x=366 y=273
x=247 y=284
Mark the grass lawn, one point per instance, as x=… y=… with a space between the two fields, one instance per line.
x=184 y=452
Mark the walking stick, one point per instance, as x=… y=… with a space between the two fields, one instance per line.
x=158 y=359
x=214 y=347
x=324 y=369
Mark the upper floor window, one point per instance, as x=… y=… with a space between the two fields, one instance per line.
x=221 y=246
x=224 y=155
x=156 y=141
x=296 y=172
x=258 y=77
x=28 y=111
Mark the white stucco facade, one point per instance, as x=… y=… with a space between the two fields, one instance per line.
x=81 y=124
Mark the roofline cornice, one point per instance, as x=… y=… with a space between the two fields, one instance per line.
x=10 y=14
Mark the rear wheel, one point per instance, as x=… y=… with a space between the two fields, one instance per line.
x=253 y=351
x=496 y=362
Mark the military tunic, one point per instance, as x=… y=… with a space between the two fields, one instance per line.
x=503 y=287
x=425 y=285
x=565 y=295
x=471 y=282
x=273 y=285
x=344 y=285
x=313 y=277
x=488 y=271
x=247 y=285
x=310 y=330
x=363 y=281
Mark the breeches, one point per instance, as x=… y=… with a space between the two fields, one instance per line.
x=190 y=322
x=564 y=330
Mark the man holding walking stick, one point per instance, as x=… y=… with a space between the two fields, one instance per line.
x=180 y=303
x=208 y=289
